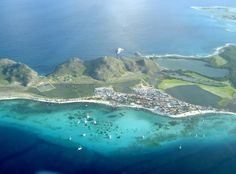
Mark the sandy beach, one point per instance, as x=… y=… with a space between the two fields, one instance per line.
x=108 y=103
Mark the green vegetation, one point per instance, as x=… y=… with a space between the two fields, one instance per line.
x=107 y=69
x=83 y=90
x=73 y=67
x=193 y=77
x=226 y=93
x=13 y=72
x=170 y=83
x=195 y=95
x=229 y=54
x=76 y=78
x=217 y=61
x=67 y=91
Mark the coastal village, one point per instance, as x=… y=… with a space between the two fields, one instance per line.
x=149 y=98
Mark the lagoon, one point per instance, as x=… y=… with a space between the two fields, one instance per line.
x=197 y=66
x=195 y=95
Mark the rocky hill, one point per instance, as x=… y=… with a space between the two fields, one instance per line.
x=12 y=72
x=229 y=54
x=78 y=71
x=105 y=68
x=73 y=67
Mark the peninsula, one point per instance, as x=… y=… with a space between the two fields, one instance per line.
x=131 y=82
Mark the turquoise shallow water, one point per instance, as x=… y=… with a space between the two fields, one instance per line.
x=140 y=141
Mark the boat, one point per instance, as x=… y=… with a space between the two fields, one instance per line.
x=87 y=116
x=80 y=148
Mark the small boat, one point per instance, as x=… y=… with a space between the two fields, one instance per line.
x=87 y=116
x=180 y=147
x=109 y=136
x=70 y=138
x=94 y=122
x=80 y=148
x=84 y=135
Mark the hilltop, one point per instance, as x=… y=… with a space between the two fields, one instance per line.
x=12 y=72
x=104 y=69
x=229 y=55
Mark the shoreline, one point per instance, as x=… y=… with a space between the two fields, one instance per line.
x=210 y=7
x=93 y=99
x=216 y=51
x=107 y=103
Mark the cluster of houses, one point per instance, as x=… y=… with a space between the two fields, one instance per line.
x=108 y=93
x=164 y=103
x=150 y=98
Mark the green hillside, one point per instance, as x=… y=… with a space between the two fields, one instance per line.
x=16 y=73
x=104 y=69
x=229 y=54
x=73 y=67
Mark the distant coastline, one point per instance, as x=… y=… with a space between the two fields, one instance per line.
x=226 y=16
x=200 y=7
x=216 y=51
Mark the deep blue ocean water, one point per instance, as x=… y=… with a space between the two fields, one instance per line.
x=24 y=152
x=45 y=33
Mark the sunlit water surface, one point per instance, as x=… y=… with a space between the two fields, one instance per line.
x=45 y=33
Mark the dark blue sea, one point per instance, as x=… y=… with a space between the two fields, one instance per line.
x=43 y=33
x=24 y=152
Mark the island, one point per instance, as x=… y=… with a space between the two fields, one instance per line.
x=223 y=14
x=139 y=82
x=227 y=13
